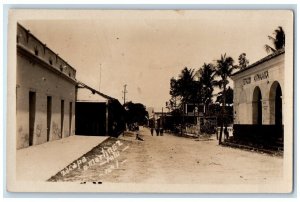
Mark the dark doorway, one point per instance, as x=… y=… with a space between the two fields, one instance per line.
x=90 y=118
x=257 y=107
x=70 y=117
x=278 y=106
x=32 y=108
x=62 y=114
x=49 y=116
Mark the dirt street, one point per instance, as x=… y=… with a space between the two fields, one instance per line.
x=172 y=159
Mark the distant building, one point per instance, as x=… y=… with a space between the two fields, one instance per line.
x=45 y=92
x=150 y=111
x=97 y=113
x=259 y=101
x=159 y=119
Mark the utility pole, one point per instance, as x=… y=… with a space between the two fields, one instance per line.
x=100 y=79
x=124 y=93
x=124 y=98
x=162 y=118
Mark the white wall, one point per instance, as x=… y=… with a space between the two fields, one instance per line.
x=243 y=93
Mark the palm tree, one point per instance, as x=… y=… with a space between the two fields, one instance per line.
x=228 y=96
x=278 y=41
x=184 y=89
x=224 y=70
x=207 y=79
x=186 y=84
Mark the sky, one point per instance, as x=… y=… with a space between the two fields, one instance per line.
x=145 y=49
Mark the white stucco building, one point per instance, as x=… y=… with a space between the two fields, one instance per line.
x=259 y=100
x=45 y=92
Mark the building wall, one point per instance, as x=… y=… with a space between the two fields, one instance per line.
x=36 y=74
x=91 y=118
x=107 y=115
x=91 y=103
x=265 y=76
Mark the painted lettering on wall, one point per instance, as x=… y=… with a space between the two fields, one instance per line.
x=262 y=75
x=257 y=77
x=247 y=80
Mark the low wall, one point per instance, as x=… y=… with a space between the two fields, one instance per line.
x=261 y=135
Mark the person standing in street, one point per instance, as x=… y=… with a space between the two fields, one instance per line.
x=157 y=131
x=161 y=132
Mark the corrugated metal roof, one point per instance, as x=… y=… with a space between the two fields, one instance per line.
x=95 y=91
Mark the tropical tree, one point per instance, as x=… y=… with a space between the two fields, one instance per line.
x=243 y=61
x=184 y=90
x=228 y=118
x=207 y=79
x=228 y=96
x=136 y=113
x=224 y=69
x=278 y=40
x=184 y=86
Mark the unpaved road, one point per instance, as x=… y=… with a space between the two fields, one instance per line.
x=178 y=160
x=172 y=159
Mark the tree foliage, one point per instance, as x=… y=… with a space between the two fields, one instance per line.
x=207 y=79
x=278 y=40
x=228 y=96
x=185 y=88
x=224 y=69
x=243 y=61
x=136 y=113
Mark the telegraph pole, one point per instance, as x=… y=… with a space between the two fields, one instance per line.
x=100 y=79
x=124 y=98
x=124 y=93
x=162 y=118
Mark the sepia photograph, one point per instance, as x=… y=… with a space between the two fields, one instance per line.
x=151 y=101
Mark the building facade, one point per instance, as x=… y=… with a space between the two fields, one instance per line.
x=45 y=92
x=259 y=101
x=98 y=114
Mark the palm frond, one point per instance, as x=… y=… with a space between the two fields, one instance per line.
x=269 y=49
x=271 y=38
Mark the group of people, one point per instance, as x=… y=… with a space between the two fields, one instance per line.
x=159 y=131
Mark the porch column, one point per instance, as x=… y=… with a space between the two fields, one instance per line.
x=266 y=116
x=272 y=111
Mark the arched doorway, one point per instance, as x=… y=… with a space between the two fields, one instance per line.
x=276 y=112
x=275 y=104
x=278 y=106
x=257 y=106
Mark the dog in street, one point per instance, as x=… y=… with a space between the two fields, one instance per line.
x=138 y=137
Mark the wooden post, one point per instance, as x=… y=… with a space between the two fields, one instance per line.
x=162 y=118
